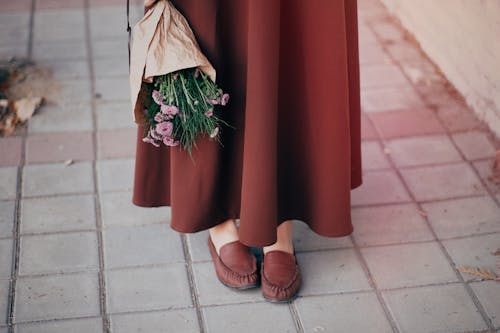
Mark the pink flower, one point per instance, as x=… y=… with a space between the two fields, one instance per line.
x=159 y=117
x=155 y=135
x=214 y=101
x=225 y=99
x=196 y=72
x=168 y=141
x=209 y=113
x=150 y=140
x=165 y=128
x=214 y=132
x=175 y=76
x=169 y=109
x=157 y=97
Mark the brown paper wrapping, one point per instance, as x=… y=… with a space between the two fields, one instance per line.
x=162 y=42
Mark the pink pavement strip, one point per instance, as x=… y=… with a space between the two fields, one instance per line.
x=10 y=151
x=118 y=143
x=59 y=147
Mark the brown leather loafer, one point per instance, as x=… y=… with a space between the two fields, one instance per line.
x=236 y=266
x=280 y=276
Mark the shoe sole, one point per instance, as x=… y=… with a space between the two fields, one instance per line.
x=248 y=286
x=277 y=300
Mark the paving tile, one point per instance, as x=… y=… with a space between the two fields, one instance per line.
x=433 y=149
x=80 y=325
x=381 y=75
x=7 y=209
x=445 y=308
x=65 y=213
x=108 y=22
x=59 y=4
x=406 y=265
x=305 y=239
x=10 y=151
x=118 y=143
x=109 y=48
x=368 y=132
x=46 y=179
x=474 y=144
x=370 y=52
x=342 y=313
x=253 y=317
x=75 y=92
x=212 y=292
x=5 y=258
x=404 y=51
x=61 y=118
x=390 y=224
x=19 y=50
x=59 y=147
x=63 y=50
x=475 y=251
x=487 y=172
x=381 y=186
x=16 y=6
x=114 y=115
x=463 y=217
x=390 y=98
x=14 y=28
x=4 y=295
x=396 y=124
x=488 y=293
x=458 y=117
x=118 y=210
x=109 y=67
x=442 y=181
x=181 y=321
x=110 y=180
x=8 y=182
x=373 y=156
x=148 y=288
x=56 y=296
x=58 y=253
x=198 y=247
x=388 y=31
x=343 y=272
x=59 y=25
x=142 y=245
x=111 y=89
x=63 y=69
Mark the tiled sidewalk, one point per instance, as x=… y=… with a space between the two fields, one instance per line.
x=77 y=256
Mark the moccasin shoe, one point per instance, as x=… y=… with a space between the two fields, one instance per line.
x=280 y=276
x=236 y=266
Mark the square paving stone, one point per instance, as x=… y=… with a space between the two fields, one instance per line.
x=112 y=89
x=433 y=149
x=109 y=48
x=109 y=67
x=67 y=68
x=381 y=75
x=198 y=246
x=148 y=288
x=446 y=308
x=8 y=183
x=381 y=186
x=106 y=22
x=47 y=179
x=488 y=293
x=114 y=115
x=457 y=116
x=463 y=217
x=10 y=150
x=305 y=239
x=373 y=156
x=59 y=147
x=389 y=224
x=62 y=117
x=442 y=181
x=402 y=97
x=14 y=27
x=74 y=93
x=474 y=144
x=117 y=143
x=80 y=325
x=4 y=297
x=5 y=258
x=475 y=251
x=118 y=210
x=332 y=271
x=115 y=175
x=62 y=213
x=486 y=171
x=57 y=296
x=397 y=266
x=6 y=218
x=178 y=321
x=342 y=313
x=142 y=245
x=252 y=317
x=62 y=50
x=58 y=253
x=59 y=25
x=212 y=292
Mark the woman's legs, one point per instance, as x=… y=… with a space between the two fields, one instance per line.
x=223 y=233
x=285 y=238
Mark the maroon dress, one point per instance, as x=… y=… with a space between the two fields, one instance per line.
x=292 y=70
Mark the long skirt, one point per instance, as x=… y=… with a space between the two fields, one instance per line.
x=291 y=68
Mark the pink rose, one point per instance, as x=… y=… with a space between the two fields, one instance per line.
x=169 y=109
x=209 y=113
x=165 y=128
x=159 y=117
x=157 y=97
x=168 y=141
x=225 y=99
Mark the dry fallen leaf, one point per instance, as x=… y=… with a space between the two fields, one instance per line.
x=483 y=273
x=25 y=107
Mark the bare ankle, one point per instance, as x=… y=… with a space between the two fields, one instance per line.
x=223 y=233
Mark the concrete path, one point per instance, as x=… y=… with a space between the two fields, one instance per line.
x=77 y=256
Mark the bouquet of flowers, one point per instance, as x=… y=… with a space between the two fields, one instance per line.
x=172 y=83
